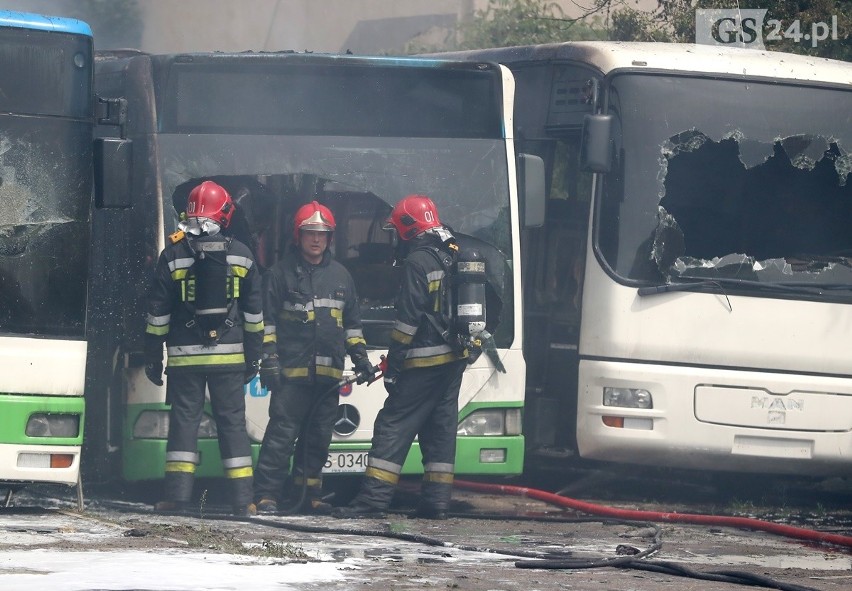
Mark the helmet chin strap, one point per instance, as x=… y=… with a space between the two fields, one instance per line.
x=400 y=251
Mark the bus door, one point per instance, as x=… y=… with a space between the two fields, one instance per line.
x=554 y=262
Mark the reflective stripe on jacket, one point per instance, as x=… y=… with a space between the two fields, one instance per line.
x=424 y=293
x=185 y=317
x=312 y=318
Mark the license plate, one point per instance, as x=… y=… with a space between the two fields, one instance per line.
x=345 y=462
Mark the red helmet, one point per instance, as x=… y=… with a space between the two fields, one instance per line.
x=313 y=216
x=413 y=215
x=209 y=200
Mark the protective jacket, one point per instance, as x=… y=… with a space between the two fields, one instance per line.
x=314 y=310
x=205 y=302
x=425 y=372
x=423 y=310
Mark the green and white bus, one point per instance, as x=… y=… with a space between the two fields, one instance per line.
x=46 y=154
x=688 y=302
x=278 y=130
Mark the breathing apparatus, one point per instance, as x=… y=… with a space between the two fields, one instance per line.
x=413 y=220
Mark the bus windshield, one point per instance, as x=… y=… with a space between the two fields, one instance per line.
x=358 y=135
x=45 y=118
x=363 y=177
x=45 y=73
x=724 y=179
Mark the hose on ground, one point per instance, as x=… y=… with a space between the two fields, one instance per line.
x=657 y=516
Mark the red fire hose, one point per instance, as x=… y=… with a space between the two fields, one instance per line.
x=657 y=516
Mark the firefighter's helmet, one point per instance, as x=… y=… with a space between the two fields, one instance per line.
x=312 y=216
x=412 y=216
x=211 y=201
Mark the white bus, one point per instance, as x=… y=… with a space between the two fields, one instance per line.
x=689 y=301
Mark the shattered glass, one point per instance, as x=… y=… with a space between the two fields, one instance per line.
x=44 y=230
x=723 y=180
x=360 y=179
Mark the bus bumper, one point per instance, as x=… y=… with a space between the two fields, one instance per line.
x=717 y=419
x=144 y=459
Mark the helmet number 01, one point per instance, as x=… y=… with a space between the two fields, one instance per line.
x=427 y=215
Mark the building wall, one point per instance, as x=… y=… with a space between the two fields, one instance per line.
x=272 y=25
x=363 y=26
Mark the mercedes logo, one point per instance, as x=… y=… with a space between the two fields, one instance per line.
x=347 y=420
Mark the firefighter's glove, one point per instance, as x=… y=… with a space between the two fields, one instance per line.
x=270 y=374
x=364 y=371
x=154 y=372
x=251 y=370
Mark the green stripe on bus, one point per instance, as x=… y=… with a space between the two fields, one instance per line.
x=17 y=410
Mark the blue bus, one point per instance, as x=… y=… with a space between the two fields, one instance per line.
x=46 y=186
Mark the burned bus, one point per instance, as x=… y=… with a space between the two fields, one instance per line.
x=46 y=153
x=278 y=130
x=688 y=301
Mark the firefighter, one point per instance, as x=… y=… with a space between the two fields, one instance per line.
x=312 y=321
x=424 y=369
x=205 y=302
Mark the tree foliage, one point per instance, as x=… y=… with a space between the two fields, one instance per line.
x=504 y=23
x=674 y=20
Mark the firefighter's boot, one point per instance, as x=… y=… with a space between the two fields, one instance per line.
x=314 y=503
x=435 y=496
x=177 y=488
x=372 y=501
x=266 y=505
x=241 y=490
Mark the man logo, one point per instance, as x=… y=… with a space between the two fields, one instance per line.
x=348 y=419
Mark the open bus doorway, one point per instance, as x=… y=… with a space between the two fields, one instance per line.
x=554 y=262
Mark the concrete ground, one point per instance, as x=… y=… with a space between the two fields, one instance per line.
x=118 y=544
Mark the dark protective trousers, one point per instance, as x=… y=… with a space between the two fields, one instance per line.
x=186 y=394
x=293 y=426
x=424 y=404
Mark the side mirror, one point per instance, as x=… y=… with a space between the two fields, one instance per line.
x=531 y=190
x=596 y=148
x=112 y=172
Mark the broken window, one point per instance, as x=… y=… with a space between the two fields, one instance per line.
x=359 y=179
x=771 y=207
x=44 y=226
x=729 y=180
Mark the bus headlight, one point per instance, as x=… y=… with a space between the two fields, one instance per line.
x=154 y=424
x=627 y=398
x=53 y=425
x=491 y=422
x=151 y=424
x=207 y=428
